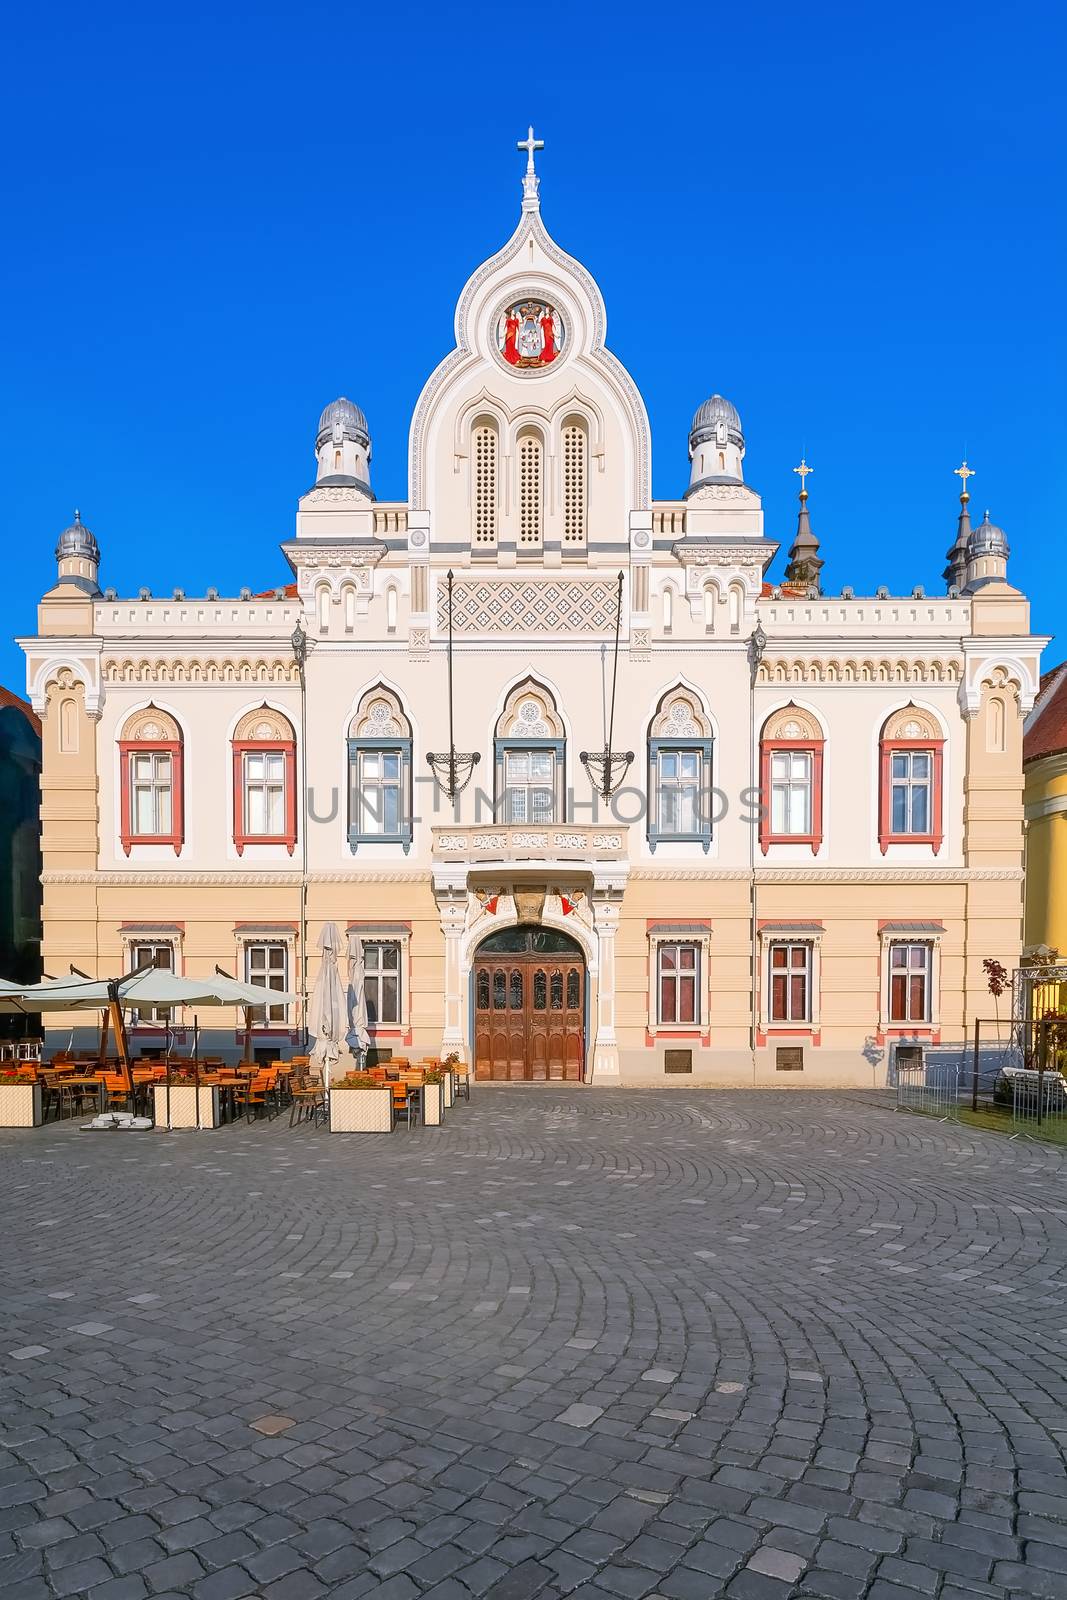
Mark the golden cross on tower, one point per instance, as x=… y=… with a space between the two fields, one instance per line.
x=964 y=472
x=530 y=144
x=803 y=469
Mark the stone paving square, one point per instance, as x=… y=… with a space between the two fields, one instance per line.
x=509 y=1359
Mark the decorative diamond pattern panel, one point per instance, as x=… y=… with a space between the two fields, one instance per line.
x=546 y=605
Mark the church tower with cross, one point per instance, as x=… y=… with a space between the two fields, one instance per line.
x=586 y=784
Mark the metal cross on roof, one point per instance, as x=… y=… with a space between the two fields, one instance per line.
x=803 y=470
x=530 y=144
x=964 y=472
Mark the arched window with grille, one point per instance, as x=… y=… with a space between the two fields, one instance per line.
x=531 y=482
x=485 y=452
x=264 y=780
x=152 y=766
x=575 y=482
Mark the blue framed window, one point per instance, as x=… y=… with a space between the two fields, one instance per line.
x=379 y=774
x=679 y=771
x=530 y=759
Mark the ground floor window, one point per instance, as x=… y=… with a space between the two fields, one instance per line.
x=790 y=983
x=679 y=983
x=267 y=964
x=158 y=954
x=909 y=982
x=381 y=968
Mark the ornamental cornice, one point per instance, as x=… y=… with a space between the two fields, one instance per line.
x=311 y=557
x=721 y=555
x=200 y=670
x=801 y=875
x=929 y=668
x=224 y=878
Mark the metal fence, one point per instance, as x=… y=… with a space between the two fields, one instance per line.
x=932 y=1090
x=1011 y=1066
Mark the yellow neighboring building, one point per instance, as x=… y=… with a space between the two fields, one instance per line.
x=1045 y=798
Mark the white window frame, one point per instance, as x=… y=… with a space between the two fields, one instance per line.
x=527 y=786
x=911 y=784
x=933 y=1021
x=247 y=938
x=788 y=784
x=266 y=783
x=772 y=935
x=148 y=934
x=371 y=934
x=155 y=788
x=701 y=937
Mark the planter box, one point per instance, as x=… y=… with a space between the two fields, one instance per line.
x=183 y=1106
x=448 y=1084
x=20 y=1105
x=361 y=1110
x=433 y=1104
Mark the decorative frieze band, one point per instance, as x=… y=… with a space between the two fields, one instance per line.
x=184 y=670
x=852 y=670
x=424 y=875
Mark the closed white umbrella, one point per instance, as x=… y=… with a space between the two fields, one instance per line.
x=358 y=1020
x=326 y=1009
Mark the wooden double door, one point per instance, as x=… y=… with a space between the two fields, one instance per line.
x=529 y=1008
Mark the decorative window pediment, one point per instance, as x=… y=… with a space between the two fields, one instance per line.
x=380 y=717
x=150 y=726
x=912 y=723
x=530 y=713
x=791 y=779
x=680 y=716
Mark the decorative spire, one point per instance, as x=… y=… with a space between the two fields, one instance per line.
x=805 y=563
x=531 y=182
x=955 y=573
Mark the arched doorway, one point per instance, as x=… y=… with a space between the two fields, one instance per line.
x=529 y=1007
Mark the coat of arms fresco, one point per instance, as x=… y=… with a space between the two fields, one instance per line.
x=530 y=334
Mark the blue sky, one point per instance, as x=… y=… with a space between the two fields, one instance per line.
x=847 y=219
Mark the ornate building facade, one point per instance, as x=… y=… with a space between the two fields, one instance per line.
x=816 y=827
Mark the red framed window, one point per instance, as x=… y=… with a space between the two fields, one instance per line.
x=909 y=982
x=911 y=781
x=679 y=983
x=791 y=780
x=264 y=781
x=790 y=981
x=151 y=782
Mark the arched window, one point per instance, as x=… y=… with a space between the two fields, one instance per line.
x=264 y=780
x=735 y=602
x=679 y=776
x=151 y=781
x=530 y=750
x=996 y=726
x=911 y=766
x=390 y=609
x=711 y=600
x=379 y=772
x=485 y=452
x=668 y=609
x=348 y=597
x=791 y=779
x=322 y=606
x=531 y=479
x=575 y=481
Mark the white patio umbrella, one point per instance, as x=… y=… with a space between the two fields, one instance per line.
x=326 y=1008
x=358 y=1019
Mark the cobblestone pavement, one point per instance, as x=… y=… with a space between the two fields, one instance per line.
x=600 y=1344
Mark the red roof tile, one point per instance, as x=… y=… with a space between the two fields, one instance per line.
x=1047 y=734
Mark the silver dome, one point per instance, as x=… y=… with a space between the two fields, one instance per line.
x=77 y=541
x=352 y=420
x=988 y=540
x=713 y=411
